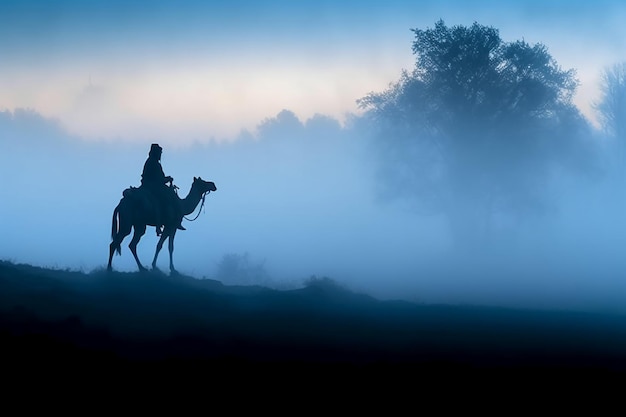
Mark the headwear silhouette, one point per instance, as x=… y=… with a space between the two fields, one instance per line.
x=155 y=148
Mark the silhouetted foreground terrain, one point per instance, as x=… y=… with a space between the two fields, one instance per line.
x=72 y=320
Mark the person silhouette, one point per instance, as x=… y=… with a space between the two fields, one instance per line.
x=154 y=179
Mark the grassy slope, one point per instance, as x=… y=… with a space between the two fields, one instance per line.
x=99 y=319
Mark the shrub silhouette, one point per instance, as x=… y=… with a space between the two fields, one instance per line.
x=239 y=269
x=322 y=283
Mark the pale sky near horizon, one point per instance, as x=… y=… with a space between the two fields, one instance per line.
x=193 y=70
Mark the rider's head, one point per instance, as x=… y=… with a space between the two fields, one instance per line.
x=155 y=150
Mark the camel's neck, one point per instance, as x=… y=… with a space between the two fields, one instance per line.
x=190 y=202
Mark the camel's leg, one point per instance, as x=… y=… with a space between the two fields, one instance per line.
x=116 y=243
x=139 y=232
x=159 y=246
x=112 y=247
x=170 y=246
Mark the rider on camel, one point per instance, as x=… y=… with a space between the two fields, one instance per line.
x=153 y=178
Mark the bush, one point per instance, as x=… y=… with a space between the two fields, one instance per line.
x=238 y=269
x=321 y=283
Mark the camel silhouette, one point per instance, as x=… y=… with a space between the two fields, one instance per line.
x=133 y=212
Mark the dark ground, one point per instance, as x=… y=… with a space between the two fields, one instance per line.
x=142 y=326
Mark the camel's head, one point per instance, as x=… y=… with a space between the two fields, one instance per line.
x=203 y=186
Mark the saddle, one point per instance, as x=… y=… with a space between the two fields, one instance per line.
x=142 y=198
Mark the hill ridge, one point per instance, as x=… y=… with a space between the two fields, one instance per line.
x=154 y=316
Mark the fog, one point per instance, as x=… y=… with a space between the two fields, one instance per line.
x=301 y=198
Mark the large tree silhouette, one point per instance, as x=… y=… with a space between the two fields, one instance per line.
x=612 y=112
x=474 y=129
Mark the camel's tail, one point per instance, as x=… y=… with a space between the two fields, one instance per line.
x=114 y=229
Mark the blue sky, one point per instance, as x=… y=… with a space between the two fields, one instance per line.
x=187 y=71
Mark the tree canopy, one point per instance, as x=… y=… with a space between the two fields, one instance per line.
x=476 y=125
x=612 y=110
